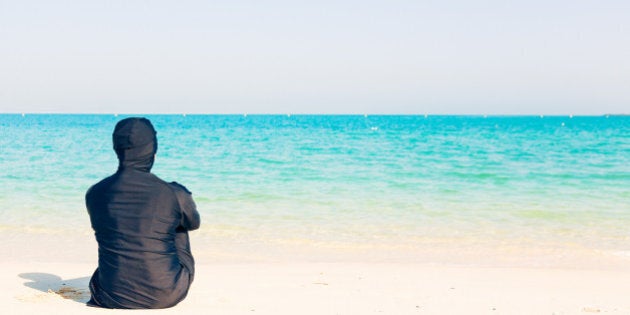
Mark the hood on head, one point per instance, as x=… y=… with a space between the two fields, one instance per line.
x=135 y=143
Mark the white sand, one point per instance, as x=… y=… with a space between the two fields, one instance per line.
x=339 y=288
x=37 y=269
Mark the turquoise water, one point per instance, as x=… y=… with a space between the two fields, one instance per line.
x=355 y=179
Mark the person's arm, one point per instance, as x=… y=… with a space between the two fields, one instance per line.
x=190 y=216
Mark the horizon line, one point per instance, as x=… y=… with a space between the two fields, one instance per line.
x=312 y=114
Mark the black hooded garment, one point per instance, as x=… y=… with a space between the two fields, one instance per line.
x=141 y=224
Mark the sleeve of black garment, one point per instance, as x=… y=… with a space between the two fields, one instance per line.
x=190 y=216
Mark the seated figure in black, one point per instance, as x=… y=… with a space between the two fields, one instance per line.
x=141 y=224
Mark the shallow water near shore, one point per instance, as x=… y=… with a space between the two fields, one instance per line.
x=345 y=182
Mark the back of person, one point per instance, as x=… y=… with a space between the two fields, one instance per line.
x=140 y=223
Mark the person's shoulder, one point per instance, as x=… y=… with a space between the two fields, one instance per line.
x=100 y=184
x=179 y=188
x=182 y=194
x=157 y=180
x=176 y=188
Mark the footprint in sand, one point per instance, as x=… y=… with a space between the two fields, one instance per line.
x=65 y=292
x=71 y=293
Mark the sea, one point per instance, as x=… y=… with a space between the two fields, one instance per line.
x=382 y=185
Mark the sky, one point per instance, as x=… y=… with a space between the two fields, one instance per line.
x=388 y=57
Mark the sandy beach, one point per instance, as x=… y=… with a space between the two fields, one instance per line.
x=340 y=288
x=44 y=273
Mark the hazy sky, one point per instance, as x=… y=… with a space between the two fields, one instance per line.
x=467 y=56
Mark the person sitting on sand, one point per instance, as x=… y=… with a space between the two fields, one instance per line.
x=141 y=224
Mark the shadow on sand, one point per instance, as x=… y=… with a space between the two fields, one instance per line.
x=71 y=289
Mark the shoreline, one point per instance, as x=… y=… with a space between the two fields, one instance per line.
x=24 y=245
